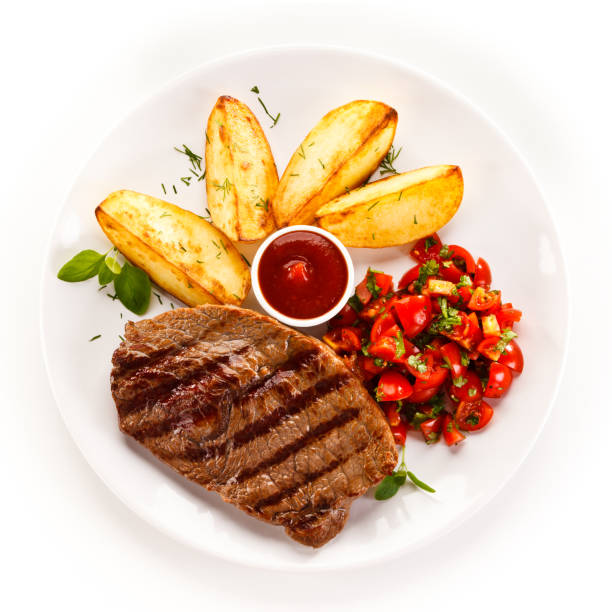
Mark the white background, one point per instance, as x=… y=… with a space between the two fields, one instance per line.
x=71 y=70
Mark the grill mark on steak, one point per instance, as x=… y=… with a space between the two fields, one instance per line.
x=286 y=451
x=150 y=395
x=262 y=427
x=271 y=500
x=232 y=394
x=296 y=404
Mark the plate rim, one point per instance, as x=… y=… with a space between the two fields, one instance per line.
x=476 y=506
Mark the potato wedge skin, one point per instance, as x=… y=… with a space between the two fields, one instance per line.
x=339 y=153
x=175 y=248
x=395 y=210
x=241 y=175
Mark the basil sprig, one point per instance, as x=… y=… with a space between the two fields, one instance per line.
x=391 y=484
x=132 y=285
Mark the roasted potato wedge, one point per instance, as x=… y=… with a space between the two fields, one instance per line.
x=181 y=252
x=395 y=210
x=241 y=175
x=339 y=153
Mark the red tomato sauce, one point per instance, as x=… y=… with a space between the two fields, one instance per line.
x=302 y=274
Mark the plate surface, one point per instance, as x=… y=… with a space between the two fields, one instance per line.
x=503 y=218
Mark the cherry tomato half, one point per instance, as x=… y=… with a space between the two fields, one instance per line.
x=427 y=248
x=384 y=325
x=393 y=416
x=500 y=379
x=347 y=316
x=384 y=282
x=414 y=313
x=466 y=388
x=487 y=348
x=459 y=252
x=471 y=416
x=384 y=348
x=450 y=432
x=373 y=309
x=436 y=378
x=369 y=367
x=409 y=277
x=467 y=334
x=392 y=387
x=423 y=365
x=431 y=429
x=451 y=354
x=482 y=276
x=362 y=291
x=421 y=394
x=484 y=300
x=512 y=356
x=508 y=316
x=449 y=271
x=399 y=433
x=343 y=339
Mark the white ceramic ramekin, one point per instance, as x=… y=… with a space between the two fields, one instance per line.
x=279 y=315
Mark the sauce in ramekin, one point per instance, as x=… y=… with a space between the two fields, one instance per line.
x=302 y=274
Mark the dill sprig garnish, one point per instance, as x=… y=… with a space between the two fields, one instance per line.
x=255 y=90
x=194 y=158
x=225 y=187
x=263 y=204
x=386 y=165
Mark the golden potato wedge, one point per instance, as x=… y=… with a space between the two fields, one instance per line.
x=395 y=210
x=241 y=175
x=181 y=252
x=339 y=153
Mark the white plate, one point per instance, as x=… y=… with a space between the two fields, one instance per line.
x=503 y=218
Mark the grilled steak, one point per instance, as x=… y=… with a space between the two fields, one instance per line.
x=267 y=417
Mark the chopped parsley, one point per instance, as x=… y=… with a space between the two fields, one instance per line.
x=446 y=320
x=418 y=363
x=504 y=339
x=464 y=281
x=445 y=253
x=400 y=348
x=459 y=381
x=429 y=242
x=355 y=303
x=429 y=268
x=373 y=288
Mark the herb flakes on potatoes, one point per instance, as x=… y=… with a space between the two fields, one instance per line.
x=339 y=153
x=395 y=210
x=241 y=175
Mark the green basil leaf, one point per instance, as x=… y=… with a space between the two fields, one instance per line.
x=105 y=274
x=82 y=266
x=420 y=483
x=133 y=288
x=390 y=485
x=400 y=477
x=386 y=489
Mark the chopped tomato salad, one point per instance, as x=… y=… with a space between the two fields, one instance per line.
x=433 y=351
